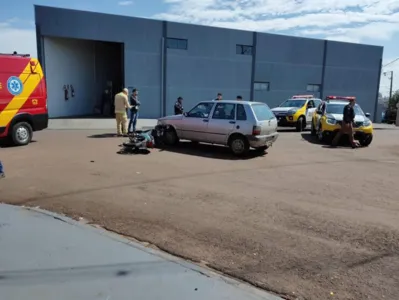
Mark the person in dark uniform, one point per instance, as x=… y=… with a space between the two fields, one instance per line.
x=347 y=124
x=134 y=110
x=239 y=98
x=179 y=106
x=219 y=97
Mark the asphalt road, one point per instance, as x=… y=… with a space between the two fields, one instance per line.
x=304 y=221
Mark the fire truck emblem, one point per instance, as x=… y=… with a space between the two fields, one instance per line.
x=34 y=101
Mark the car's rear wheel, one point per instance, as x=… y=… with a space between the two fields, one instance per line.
x=239 y=145
x=21 y=134
x=301 y=124
x=366 y=141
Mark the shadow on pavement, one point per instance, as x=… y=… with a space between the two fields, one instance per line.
x=209 y=151
x=386 y=128
x=7 y=144
x=289 y=129
x=310 y=138
x=103 y=135
x=344 y=143
x=140 y=151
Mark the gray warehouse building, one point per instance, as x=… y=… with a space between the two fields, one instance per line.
x=89 y=52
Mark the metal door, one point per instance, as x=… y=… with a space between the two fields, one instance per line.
x=222 y=123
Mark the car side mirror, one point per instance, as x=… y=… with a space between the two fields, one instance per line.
x=185 y=114
x=367 y=115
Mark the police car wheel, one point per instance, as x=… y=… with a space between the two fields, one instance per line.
x=320 y=135
x=312 y=129
x=21 y=134
x=366 y=141
x=300 y=124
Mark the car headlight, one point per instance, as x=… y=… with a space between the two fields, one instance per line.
x=292 y=112
x=331 y=121
x=367 y=123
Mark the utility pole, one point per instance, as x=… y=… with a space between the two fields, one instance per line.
x=390 y=86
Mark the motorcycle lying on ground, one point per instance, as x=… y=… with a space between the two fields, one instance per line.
x=141 y=141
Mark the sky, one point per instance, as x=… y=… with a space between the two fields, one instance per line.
x=374 y=22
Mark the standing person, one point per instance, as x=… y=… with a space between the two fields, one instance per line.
x=239 y=98
x=179 y=106
x=134 y=110
x=219 y=97
x=347 y=125
x=2 y=175
x=121 y=104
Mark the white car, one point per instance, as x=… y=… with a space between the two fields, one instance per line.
x=239 y=125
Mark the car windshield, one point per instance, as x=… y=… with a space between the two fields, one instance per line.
x=335 y=108
x=201 y=110
x=293 y=103
x=262 y=112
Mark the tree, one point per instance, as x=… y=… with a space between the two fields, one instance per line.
x=394 y=100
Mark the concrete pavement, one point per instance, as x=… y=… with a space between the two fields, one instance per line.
x=48 y=256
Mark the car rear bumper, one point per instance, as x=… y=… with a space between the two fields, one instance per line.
x=262 y=140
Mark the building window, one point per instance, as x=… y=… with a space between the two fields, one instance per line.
x=261 y=86
x=172 y=43
x=244 y=49
x=315 y=88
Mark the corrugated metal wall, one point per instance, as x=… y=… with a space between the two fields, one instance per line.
x=210 y=64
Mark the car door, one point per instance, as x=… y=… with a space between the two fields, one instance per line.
x=319 y=113
x=222 y=123
x=195 y=122
x=310 y=108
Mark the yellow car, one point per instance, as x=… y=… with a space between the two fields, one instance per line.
x=296 y=112
x=327 y=120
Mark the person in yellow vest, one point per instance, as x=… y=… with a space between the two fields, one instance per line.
x=121 y=104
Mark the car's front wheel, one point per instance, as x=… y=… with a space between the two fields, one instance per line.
x=366 y=140
x=312 y=129
x=320 y=134
x=170 y=137
x=239 y=145
x=301 y=124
